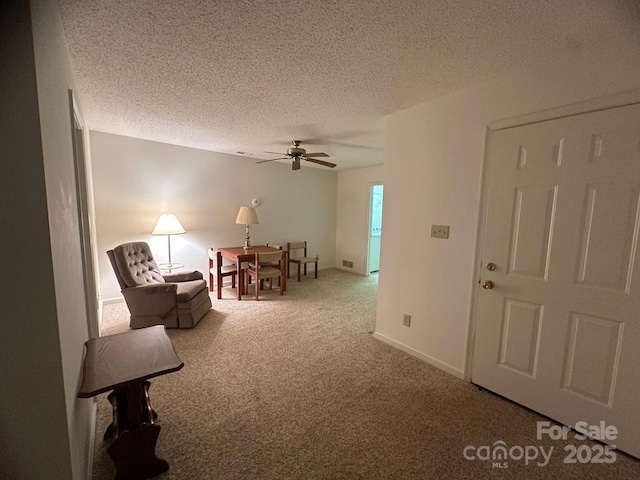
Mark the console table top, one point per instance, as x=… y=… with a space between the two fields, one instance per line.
x=116 y=360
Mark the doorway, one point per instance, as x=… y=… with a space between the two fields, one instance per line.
x=375 y=229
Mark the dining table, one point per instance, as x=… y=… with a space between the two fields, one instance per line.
x=240 y=255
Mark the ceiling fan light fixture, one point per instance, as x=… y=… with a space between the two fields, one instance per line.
x=296 y=152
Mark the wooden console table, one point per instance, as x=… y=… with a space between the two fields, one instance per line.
x=124 y=363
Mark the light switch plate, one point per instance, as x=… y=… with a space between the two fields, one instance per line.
x=439 y=231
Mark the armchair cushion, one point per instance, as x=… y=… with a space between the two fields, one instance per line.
x=183 y=277
x=188 y=290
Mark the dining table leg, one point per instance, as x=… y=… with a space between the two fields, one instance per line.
x=219 y=274
x=240 y=274
x=284 y=271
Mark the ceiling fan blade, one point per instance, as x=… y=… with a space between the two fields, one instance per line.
x=320 y=162
x=317 y=154
x=272 y=160
x=276 y=153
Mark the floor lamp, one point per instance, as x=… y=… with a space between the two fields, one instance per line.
x=168 y=225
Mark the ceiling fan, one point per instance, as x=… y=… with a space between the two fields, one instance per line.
x=296 y=153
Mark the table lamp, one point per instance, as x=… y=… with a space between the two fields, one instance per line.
x=247 y=216
x=168 y=225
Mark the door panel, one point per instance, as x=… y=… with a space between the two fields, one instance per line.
x=593 y=352
x=560 y=330
x=532 y=225
x=609 y=233
x=521 y=326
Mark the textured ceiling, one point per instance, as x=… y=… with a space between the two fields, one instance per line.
x=252 y=75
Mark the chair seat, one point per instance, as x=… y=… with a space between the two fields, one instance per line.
x=225 y=269
x=304 y=259
x=269 y=272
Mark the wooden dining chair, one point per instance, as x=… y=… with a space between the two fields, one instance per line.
x=266 y=265
x=228 y=270
x=300 y=260
x=279 y=247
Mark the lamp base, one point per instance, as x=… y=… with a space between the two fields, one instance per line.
x=170 y=266
x=247 y=243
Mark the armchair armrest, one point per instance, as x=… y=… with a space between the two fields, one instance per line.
x=183 y=277
x=151 y=299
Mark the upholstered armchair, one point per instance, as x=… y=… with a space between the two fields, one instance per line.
x=175 y=300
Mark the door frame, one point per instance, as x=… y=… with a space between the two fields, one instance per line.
x=598 y=104
x=369 y=222
x=85 y=219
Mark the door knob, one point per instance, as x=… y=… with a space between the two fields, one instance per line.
x=487 y=285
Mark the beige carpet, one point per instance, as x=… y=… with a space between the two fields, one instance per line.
x=296 y=387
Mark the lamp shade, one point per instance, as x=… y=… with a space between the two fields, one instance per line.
x=168 y=224
x=247 y=216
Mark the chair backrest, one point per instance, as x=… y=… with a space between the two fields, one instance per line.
x=297 y=246
x=134 y=265
x=265 y=258
x=212 y=261
x=264 y=263
x=213 y=258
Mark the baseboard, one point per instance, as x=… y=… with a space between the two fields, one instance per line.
x=92 y=436
x=111 y=301
x=425 y=358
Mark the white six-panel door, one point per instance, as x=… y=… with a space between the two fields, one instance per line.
x=559 y=332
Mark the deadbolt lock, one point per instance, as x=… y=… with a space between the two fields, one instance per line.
x=487 y=285
x=490 y=266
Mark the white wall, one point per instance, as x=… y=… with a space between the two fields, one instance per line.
x=45 y=430
x=433 y=176
x=352 y=227
x=55 y=78
x=137 y=180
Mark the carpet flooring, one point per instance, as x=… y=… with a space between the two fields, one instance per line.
x=297 y=387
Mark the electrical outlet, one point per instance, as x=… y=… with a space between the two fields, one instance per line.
x=406 y=320
x=439 y=231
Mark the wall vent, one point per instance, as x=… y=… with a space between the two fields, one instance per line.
x=347 y=263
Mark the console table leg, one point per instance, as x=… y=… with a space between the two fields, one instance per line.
x=134 y=449
x=134 y=454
